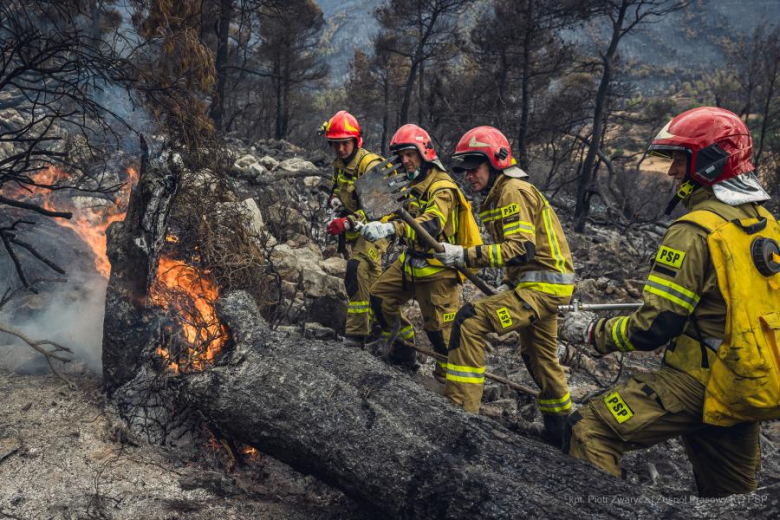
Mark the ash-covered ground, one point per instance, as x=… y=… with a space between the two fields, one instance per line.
x=65 y=453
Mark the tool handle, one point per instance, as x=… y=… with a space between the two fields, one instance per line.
x=436 y=246
x=511 y=384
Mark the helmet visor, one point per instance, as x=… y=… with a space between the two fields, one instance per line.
x=463 y=163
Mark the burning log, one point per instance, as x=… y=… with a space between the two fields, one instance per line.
x=133 y=249
x=352 y=421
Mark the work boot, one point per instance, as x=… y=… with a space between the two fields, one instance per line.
x=554 y=426
x=403 y=356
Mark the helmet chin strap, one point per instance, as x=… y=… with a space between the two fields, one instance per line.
x=687 y=187
x=491 y=181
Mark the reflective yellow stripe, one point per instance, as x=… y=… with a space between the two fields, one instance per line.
x=555 y=247
x=619 y=335
x=519 y=227
x=345 y=180
x=623 y=328
x=406 y=332
x=559 y=400
x=358 y=307
x=465 y=374
x=672 y=292
x=464 y=368
x=490 y=215
x=435 y=211
x=410 y=233
x=558 y=404
x=548 y=288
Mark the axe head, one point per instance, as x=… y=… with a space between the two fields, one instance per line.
x=381 y=189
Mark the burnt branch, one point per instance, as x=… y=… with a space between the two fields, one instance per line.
x=56 y=352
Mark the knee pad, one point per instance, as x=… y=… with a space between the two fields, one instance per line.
x=464 y=313
x=351 y=277
x=436 y=337
x=376 y=306
x=567 y=431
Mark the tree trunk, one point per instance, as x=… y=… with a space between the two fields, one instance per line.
x=223 y=44
x=404 y=452
x=767 y=107
x=583 y=185
x=132 y=248
x=522 y=138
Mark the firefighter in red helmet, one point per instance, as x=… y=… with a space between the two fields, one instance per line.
x=364 y=266
x=434 y=200
x=528 y=242
x=684 y=309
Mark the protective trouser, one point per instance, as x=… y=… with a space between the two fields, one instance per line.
x=438 y=299
x=363 y=268
x=503 y=313
x=657 y=406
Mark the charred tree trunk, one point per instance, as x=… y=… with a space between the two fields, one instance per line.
x=342 y=415
x=132 y=247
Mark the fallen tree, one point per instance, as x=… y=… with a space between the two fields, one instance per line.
x=357 y=424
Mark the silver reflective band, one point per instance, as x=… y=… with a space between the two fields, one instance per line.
x=546 y=277
x=713 y=343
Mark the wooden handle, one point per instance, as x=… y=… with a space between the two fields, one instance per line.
x=511 y=384
x=436 y=246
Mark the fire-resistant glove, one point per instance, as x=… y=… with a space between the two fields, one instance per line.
x=452 y=256
x=580 y=328
x=374 y=231
x=339 y=225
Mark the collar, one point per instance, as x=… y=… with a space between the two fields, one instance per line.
x=351 y=162
x=495 y=191
x=420 y=185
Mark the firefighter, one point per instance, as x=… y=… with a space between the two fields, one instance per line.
x=364 y=266
x=433 y=199
x=539 y=275
x=683 y=309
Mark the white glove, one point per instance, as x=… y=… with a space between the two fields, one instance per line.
x=451 y=256
x=374 y=231
x=335 y=203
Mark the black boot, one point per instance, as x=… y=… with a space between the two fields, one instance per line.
x=554 y=426
x=403 y=356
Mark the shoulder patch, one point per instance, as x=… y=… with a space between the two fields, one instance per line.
x=510 y=209
x=670 y=257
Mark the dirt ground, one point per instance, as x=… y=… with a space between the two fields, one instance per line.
x=65 y=455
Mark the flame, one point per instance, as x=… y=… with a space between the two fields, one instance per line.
x=89 y=224
x=189 y=294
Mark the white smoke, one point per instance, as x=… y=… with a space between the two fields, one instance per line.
x=70 y=314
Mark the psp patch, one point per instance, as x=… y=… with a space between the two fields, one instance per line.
x=373 y=254
x=618 y=407
x=670 y=257
x=449 y=316
x=504 y=317
x=511 y=209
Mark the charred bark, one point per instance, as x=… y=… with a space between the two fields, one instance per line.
x=133 y=247
x=342 y=415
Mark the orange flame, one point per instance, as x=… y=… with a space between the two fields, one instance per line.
x=89 y=224
x=191 y=293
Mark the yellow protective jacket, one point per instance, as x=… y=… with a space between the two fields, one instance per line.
x=345 y=175
x=434 y=203
x=528 y=239
x=683 y=307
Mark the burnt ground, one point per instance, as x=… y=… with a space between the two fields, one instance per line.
x=65 y=455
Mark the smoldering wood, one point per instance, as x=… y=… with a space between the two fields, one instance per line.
x=133 y=247
x=354 y=422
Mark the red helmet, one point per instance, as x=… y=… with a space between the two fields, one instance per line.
x=718 y=144
x=412 y=136
x=485 y=142
x=343 y=126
